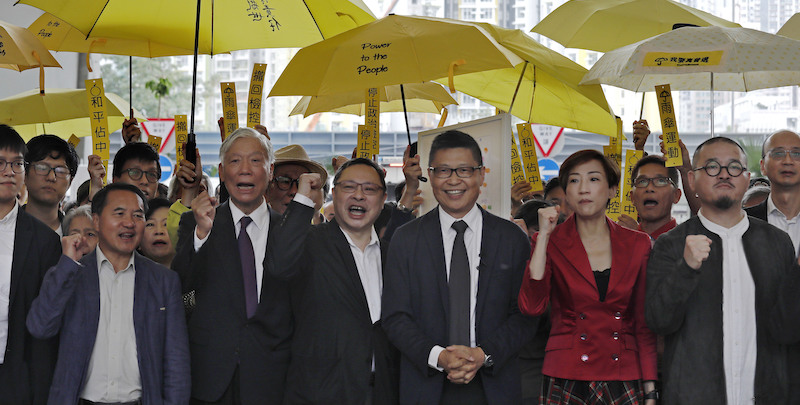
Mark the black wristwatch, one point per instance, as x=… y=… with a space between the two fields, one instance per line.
x=405 y=209
x=488 y=360
x=652 y=395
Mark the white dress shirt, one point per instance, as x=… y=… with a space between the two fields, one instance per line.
x=791 y=226
x=258 y=230
x=738 y=312
x=472 y=240
x=113 y=373
x=8 y=231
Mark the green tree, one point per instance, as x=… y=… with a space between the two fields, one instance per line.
x=160 y=89
x=752 y=146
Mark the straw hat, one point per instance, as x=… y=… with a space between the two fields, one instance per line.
x=295 y=154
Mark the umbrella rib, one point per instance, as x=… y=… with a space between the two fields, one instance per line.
x=88 y=34
x=315 y=20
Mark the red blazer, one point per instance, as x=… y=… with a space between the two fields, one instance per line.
x=592 y=340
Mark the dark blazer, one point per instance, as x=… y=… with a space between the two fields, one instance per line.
x=69 y=304
x=221 y=337
x=27 y=371
x=685 y=305
x=334 y=338
x=758 y=211
x=415 y=306
x=611 y=333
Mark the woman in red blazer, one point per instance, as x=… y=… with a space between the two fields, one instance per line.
x=591 y=272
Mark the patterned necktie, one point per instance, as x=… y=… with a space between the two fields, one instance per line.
x=248 y=267
x=459 y=288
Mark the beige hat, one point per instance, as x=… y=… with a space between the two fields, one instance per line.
x=295 y=154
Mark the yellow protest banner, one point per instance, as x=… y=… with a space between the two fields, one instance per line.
x=256 y=95
x=627 y=207
x=517 y=174
x=230 y=111
x=372 y=113
x=96 y=96
x=74 y=141
x=181 y=136
x=669 y=126
x=154 y=142
x=614 y=152
x=675 y=59
x=530 y=162
x=365 y=142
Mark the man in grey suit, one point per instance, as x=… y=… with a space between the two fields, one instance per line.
x=120 y=316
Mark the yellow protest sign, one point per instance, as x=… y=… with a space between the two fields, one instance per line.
x=230 y=111
x=372 y=113
x=154 y=142
x=74 y=141
x=627 y=207
x=675 y=59
x=517 y=174
x=365 y=142
x=181 y=136
x=530 y=162
x=669 y=126
x=96 y=96
x=256 y=95
x=614 y=152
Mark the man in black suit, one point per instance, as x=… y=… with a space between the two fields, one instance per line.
x=340 y=353
x=450 y=296
x=27 y=249
x=240 y=329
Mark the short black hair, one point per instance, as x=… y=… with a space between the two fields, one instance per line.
x=361 y=161
x=455 y=139
x=99 y=200
x=529 y=212
x=718 y=139
x=672 y=172
x=43 y=146
x=587 y=155
x=551 y=185
x=10 y=140
x=155 y=204
x=135 y=151
x=83 y=192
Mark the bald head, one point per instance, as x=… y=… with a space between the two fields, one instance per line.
x=776 y=137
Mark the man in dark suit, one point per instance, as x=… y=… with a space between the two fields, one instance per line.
x=119 y=314
x=27 y=250
x=240 y=329
x=450 y=296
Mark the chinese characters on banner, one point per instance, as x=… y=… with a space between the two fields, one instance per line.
x=631 y=157
x=529 y=161
x=230 y=112
x=154 y=142
x=671 y=59
x=256 y=95
x=517 y=174
x=181 y=136
x=99 y=120
x=372 y=113
x=365 y=142
x=614 y=152
x=669 y=126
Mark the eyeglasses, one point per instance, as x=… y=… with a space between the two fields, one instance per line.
x=43 y=169
x=136 y=174
x=446 y=172
x=659 y=182
x=713 y=168
x=781 y=153
x=350 y=187
x=17 y=166
x=285 y=183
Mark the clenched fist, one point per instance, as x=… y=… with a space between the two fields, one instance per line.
x=696 y=250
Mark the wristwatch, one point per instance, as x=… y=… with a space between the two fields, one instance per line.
x=652 y=395
x=405 y=209
x=488 y=360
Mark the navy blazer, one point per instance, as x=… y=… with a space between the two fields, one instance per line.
x=69 y=303
x=415 y=306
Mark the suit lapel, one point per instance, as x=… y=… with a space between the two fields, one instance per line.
x=351 y=276
x=489 y=246
x=141 y=287
x=619 y=256
x=432 y=233
x=568 y=242
x=91 y=317
x=23 y=241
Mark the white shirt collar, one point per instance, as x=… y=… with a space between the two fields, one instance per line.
x=472 y=218
x=260 y=215
x=737 y=230
x=772 y=208
x=11 y=217
x=102 y=258
x=373 y=239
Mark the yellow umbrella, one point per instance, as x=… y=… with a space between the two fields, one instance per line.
x=20 y=50
x=61 y=112
x=791 y=29
x=544 y=90
x=393 y=50
x=420 y=97
x=603 y=25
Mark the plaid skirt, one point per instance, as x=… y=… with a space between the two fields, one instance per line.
x=560 y=391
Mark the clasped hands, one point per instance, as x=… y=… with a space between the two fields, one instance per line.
x=461 y=362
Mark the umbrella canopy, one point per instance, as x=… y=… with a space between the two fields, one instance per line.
x=548 y=91
x=393 y=50
x=791 y=29
x=61 y=112
x=740 y=59
x=603 y=25
x=420 y=97
x=224 y=26
x=20 y=50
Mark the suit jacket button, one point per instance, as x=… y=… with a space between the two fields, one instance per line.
x=615 y=357
x=615 y=335
x=583 y=336
x=582 y=316
x=617 y=315
x=585 y=358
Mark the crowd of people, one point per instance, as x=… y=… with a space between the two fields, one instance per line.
x=280 y=289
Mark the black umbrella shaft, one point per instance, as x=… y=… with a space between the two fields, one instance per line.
x=191 y=142
x=130 y=83
x=408 y=131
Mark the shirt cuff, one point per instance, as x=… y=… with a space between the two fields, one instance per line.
x=304 y=200
x=433 y=357
x=198 y=243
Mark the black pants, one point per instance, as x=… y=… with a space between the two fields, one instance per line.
x=464 y=394
x=231 y=396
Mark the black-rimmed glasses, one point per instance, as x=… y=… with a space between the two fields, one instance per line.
x=136 y=174
x=43 y=169
x=285 y=183
x=659 y=182
x=17 y=166
x=713 y=168
x=446 y=172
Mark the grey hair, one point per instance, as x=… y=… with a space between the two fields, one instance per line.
x=83 y=210
x=247 y=133
x=175 y=186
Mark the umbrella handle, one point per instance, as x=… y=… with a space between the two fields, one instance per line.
x=41 y=71
x=451 y=71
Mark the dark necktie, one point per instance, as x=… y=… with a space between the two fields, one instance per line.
x=248 y=267
x=459 y=288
